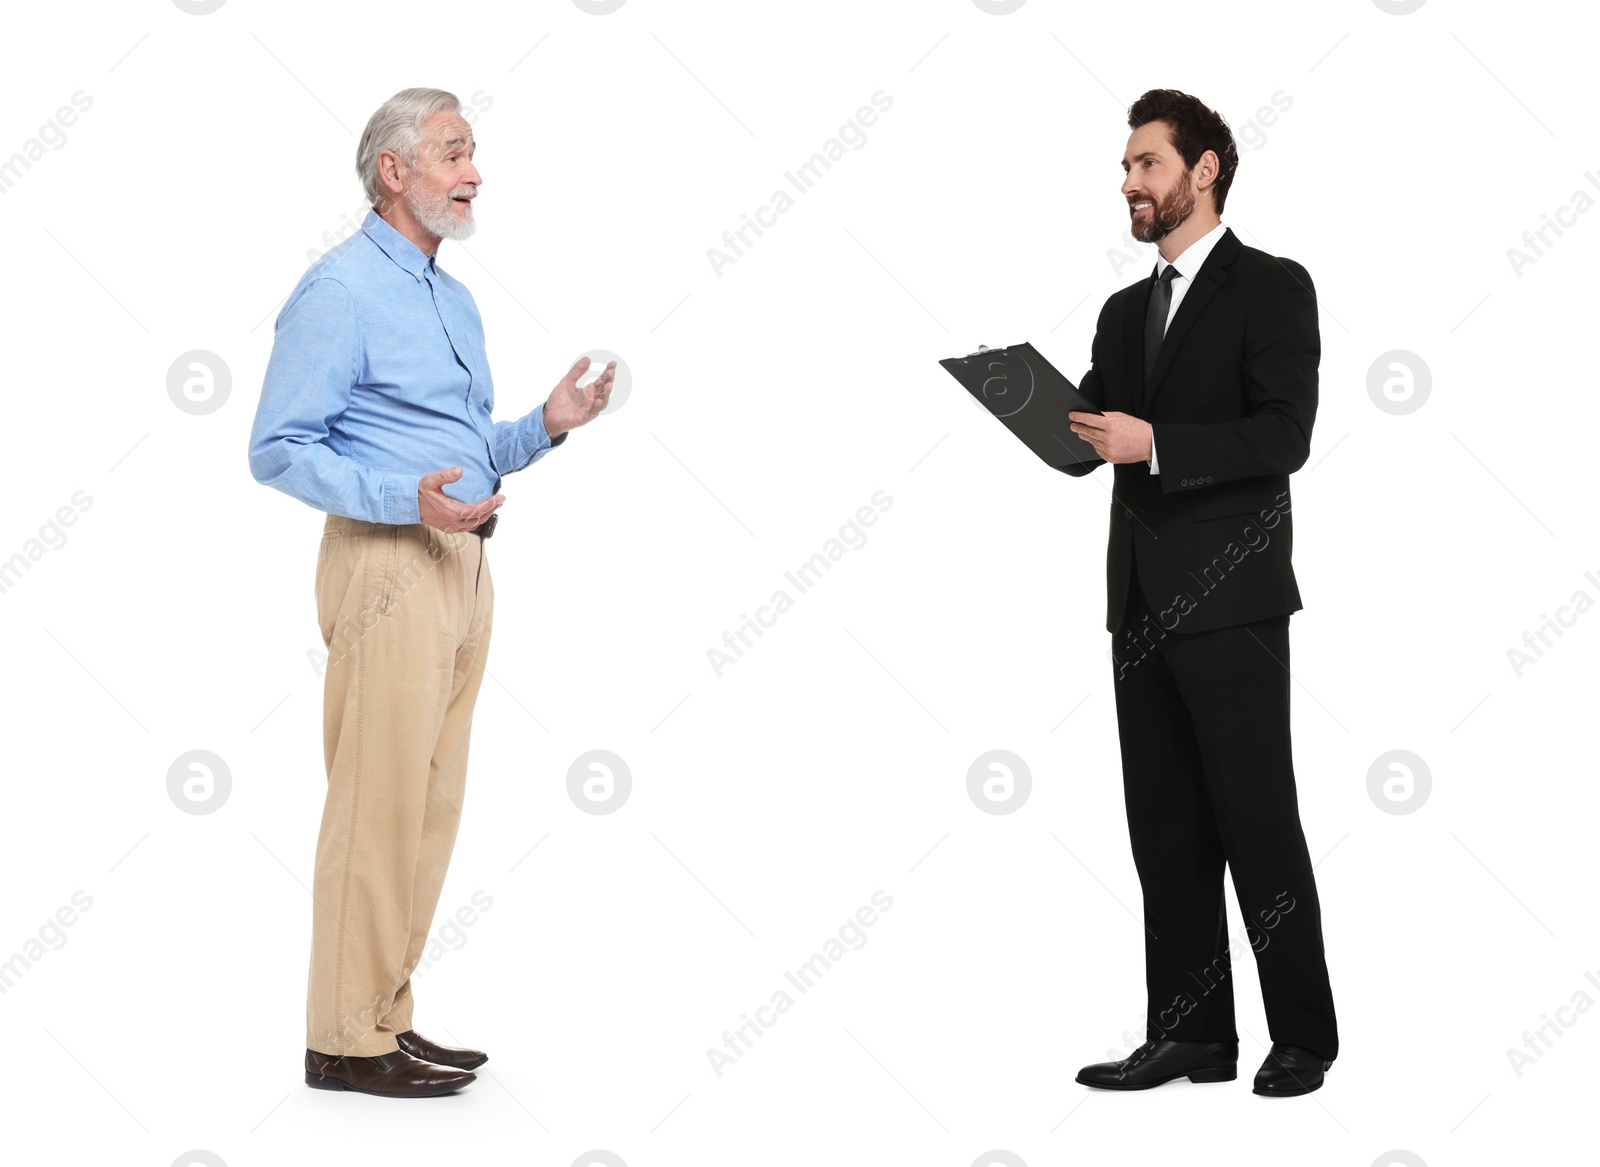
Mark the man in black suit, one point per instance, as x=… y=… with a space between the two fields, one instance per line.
x=1207 y=376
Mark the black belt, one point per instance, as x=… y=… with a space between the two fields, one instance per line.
x=486 y=528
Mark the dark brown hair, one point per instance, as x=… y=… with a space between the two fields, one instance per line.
x=1194 y=128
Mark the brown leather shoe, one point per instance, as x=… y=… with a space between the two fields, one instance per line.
x=395 y=1075
x=440 y=1055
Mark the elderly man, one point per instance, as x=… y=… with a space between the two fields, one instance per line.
x=376 y=410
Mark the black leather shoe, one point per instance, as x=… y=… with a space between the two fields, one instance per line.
x=1157 y=1062
x=1290 y=1070
x=440 y=1055
x=394 y=1075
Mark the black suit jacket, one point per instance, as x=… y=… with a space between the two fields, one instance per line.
x=1231 y=402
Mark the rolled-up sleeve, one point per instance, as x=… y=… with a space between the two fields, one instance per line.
x=315 y=362
x=519 y=444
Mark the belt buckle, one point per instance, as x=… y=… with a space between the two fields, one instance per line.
x=486 y=528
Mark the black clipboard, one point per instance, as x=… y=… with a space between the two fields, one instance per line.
x=1032 y=398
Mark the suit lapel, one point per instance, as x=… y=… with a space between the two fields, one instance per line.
x=1206 y=282
x=1133 y=343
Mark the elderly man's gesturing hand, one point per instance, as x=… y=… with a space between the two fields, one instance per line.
x=444 y=513
x=570 y=406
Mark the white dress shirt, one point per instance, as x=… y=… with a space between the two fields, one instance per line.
x=1188 y=264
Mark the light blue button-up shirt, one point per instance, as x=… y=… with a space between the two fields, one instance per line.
x=377 y=377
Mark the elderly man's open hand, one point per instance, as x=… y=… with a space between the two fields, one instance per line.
x=444 y=513
x=571 y=405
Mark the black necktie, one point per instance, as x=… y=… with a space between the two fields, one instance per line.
x=1155 y=320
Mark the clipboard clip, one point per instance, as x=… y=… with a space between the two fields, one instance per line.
x=983 y=350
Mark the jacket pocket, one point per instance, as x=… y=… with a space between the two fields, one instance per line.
x=1239 y=498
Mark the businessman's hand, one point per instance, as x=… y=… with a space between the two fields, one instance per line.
x=570 y=406
x=444 y=513
x=1116 y=437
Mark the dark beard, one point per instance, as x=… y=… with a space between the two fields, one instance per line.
x=1168 y=214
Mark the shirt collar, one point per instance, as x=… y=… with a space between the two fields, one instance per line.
x=396 y=246
x=1193 y=257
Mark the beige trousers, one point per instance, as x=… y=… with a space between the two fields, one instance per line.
x=406 y=613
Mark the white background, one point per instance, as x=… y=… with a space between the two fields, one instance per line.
x=770 y=402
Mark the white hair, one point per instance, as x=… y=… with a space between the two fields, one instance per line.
x=397 y=125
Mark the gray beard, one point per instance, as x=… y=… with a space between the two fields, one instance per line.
x=436 y=214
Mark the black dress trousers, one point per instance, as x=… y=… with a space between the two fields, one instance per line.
x=1208 y=778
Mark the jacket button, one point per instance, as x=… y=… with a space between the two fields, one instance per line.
x=1185 y=482
x=1208 y=478
x=1127 y=512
